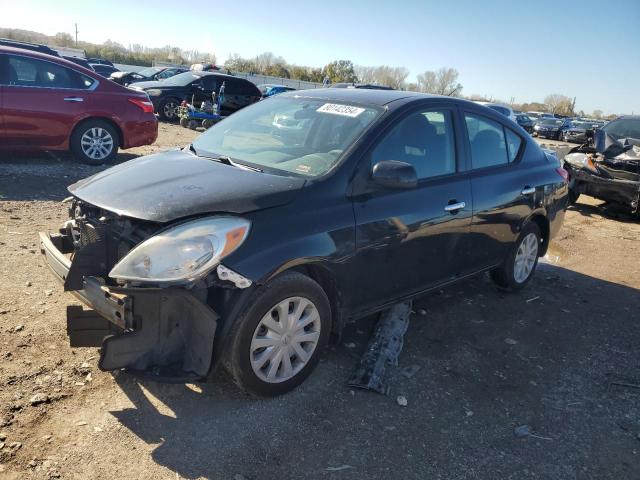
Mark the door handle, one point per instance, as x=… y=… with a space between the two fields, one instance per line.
x=454 y=207
x=74 y=99
x=528 y=190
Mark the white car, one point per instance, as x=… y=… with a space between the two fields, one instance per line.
x=503 y=109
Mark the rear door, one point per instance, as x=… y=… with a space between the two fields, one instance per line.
x=42 y=101
x=503 y=188
x=409 y=240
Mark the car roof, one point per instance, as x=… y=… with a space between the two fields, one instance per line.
x=43 y=56
x=361 y=95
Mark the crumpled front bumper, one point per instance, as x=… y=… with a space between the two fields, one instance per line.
x=165 y=333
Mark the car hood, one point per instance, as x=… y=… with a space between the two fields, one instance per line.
x=176 y=184
x=119 y=74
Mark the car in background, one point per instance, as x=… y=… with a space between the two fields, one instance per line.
x=150 y=74
x=551 y=128
x=269 y=89
x=35 y=47
x=525 y=122
x=366 y=86
x=608 y=169
x=99 y=61
x=49 y=103
x=197 y=87
x=248 y=253
x=79 y=61
x=500 y=108
x=578 y=131
x=103 y=70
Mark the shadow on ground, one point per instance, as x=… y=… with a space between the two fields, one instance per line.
x=548 y=357
x=45 y=175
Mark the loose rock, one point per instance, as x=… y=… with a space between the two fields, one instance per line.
x=402 y=400
x=39 y=398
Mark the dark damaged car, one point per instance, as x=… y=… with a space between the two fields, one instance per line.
x=609 y=169
x=252 y=246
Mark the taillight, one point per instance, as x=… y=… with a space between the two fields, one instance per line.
x=563 y=173
x=145 y=105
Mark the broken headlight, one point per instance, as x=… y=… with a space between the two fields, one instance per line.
x=182 y=253
x=582 y=161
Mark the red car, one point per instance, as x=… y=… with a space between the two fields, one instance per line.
x=48 y=103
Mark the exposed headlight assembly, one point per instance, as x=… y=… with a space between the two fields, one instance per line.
x=153 y=92
x=182 y=253
x=581 y=160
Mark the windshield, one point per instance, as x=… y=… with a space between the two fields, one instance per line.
x=181 y=80
x=623 y=128
x=292 y=136
x=551 y=122
x=147 y=72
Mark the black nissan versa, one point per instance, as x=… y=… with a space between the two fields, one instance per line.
x=249 y=247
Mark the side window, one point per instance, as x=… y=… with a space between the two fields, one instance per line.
x=425 y=140
x=513 y=144
x=486 y=137
x=30 y=72
x=209 y=82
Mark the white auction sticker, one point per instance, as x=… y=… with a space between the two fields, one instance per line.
x=337 y=109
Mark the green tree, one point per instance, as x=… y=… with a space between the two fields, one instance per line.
x=340 y=71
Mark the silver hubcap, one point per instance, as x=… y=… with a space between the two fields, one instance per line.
x=285 y=340
x=170 y=109
x=97 y=143
x=525 y=258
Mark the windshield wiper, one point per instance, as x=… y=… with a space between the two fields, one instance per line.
x=193 y=149
x=227 y=161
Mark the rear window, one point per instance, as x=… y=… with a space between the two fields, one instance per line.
x=492 y=144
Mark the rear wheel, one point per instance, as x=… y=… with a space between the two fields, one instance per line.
x=277 y=339
x=95 y=142
x=521 y=263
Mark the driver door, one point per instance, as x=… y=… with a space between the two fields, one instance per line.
x=409 y=240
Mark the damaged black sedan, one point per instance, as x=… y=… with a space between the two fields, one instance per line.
x=252 y=246
x=608 y=169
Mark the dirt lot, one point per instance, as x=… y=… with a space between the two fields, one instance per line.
x=561 y=357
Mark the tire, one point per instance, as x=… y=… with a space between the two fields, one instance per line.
x=168 y=109
x=508 y=276
x=573 y=196
x=184 y=122
x=106 y=139
x=193 y=124
x=253 y=348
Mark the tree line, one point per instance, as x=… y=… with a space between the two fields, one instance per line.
x=443 y=81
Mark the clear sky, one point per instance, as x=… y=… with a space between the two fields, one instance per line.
x=584 y=48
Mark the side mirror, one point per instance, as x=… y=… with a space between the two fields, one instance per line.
x=394 y=174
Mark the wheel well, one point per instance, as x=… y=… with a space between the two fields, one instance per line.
x=325 y=278
x=543 y=225
x=102 y=119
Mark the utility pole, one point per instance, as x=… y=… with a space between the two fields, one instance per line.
x=76 y=34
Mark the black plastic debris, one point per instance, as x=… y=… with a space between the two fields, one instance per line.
x=383 y=349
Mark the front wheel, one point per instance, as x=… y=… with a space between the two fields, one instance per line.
x=168 y=109
x=277 y=339
x=519 y=266
x=95 y=142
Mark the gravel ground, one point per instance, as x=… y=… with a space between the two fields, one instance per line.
x=540 y=384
